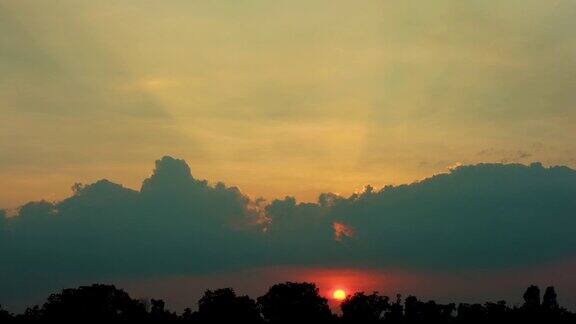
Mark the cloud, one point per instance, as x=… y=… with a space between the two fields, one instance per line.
x=175 y=224
x=341 y=231
x=473 y=217
x=483 y=216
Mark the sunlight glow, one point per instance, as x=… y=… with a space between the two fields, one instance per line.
x=339 y=294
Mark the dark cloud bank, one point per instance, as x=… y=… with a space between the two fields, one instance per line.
x=487 y=216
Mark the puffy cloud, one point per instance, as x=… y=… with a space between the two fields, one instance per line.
x=482 y=216
x=175 y=224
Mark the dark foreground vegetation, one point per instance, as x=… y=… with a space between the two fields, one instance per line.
x=286 y=303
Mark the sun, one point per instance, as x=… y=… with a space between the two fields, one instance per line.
x=339 y=294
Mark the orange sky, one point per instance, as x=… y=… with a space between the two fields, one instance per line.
x=289 y=97
x=477 y=286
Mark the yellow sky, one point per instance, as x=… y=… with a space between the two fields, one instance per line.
x=280 y=97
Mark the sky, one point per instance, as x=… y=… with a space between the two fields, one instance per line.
x=476 y=231
x=458 y=114
x=280 y=97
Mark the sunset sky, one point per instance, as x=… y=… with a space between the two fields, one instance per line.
x=460 y=113
x=280 y=97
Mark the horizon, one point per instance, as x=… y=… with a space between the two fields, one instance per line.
x=334 y=297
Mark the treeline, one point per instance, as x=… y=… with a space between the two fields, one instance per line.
x=286 y=303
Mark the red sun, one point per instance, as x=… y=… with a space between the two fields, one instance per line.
x=339 y=294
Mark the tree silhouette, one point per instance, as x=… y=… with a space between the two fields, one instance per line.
x=396 y=313
x=223 y=306
x=189 y=316
x=362 y=308
x=158 y=313
x=412 y=309
x=5 y=315
x=495 y=312
x=532 y=298
x=549 y=301
x=96 y=302
x=471 y=313
x=286 y=303
x=32 y=314
x=293 y=302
